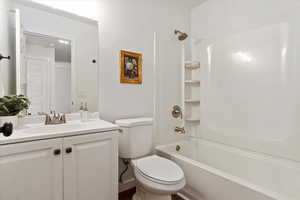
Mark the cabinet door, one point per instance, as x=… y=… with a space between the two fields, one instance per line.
x=90 y=167
x=31 y=171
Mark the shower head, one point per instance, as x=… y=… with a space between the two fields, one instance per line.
x=181 y=36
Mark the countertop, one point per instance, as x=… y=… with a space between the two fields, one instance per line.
x=32 y=132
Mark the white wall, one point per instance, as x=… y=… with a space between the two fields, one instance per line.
x=84 y=37
x=131 y=25
x=85 y=8
x=62 y=95
x=250 y=73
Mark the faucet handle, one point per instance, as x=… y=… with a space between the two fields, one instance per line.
x=177 y=112
x=55 y=118
x=63 y=118
x=48 y=119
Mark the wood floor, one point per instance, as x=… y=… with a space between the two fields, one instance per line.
x=127 y=195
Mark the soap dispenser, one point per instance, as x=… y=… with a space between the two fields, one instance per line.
x=81 y=110
x=85 y=113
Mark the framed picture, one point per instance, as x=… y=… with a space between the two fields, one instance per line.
x=131 y=67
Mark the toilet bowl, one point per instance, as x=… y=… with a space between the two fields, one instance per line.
x=157 y=178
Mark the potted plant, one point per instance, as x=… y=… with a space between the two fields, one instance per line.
x=10 y=107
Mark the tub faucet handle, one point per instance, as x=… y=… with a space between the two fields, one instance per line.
x=179 y=130
x=177 y=112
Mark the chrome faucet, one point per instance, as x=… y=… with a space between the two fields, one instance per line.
x=54 y=118
x=179 y=130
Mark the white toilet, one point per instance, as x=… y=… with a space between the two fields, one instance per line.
x=157 y=177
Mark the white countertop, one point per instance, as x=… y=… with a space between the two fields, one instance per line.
x=33 y=132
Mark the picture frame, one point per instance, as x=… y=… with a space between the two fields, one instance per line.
x=131 y=67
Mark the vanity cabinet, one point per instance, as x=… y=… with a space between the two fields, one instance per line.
x=70 y=168
x=31 y=171
x=90 y=168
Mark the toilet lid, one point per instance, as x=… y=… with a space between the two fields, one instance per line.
x=160 y=169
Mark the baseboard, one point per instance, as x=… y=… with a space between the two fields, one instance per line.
x=186 y=193
x=189 y=194
x=127 y=185
x=183 y=196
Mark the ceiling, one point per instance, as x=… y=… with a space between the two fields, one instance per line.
x=62 y=50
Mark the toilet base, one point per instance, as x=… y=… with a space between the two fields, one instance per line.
x=142 y=194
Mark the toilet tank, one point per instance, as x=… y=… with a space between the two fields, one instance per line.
x=136 y=137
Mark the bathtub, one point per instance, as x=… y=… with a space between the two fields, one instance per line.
x=219 y=172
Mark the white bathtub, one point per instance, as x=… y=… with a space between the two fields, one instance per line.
x=219 y=172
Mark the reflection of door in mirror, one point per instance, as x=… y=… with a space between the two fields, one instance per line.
x=46 y=78
x=7 y=49
x=37 y=83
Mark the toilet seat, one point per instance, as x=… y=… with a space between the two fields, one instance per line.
x=159 y=175
x=159 y=170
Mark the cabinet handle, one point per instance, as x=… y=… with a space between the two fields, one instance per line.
x=69 y=150
x=3 y=57
x=7 y=129
x=57 y=152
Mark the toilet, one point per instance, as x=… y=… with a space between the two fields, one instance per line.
x=157 y=178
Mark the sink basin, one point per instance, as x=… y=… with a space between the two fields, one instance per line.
x=59 y=128
x=51 y=128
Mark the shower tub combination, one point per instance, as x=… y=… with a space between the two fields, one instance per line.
x=219 y=172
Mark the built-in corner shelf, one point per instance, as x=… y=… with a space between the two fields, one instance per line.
x=192 y=65
x=194 y=82
x=192 y=101
x=193 y=120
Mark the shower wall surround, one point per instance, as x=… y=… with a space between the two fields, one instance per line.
x=249 y=53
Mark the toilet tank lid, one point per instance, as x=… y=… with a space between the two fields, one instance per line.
x=134 y=122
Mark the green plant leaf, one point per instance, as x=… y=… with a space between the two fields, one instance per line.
x=13 y=105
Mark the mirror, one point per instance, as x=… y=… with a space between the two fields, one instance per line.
x=58 y=54
x=46 y=73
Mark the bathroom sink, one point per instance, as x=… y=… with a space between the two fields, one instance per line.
x=70 y=127
x=52 y=128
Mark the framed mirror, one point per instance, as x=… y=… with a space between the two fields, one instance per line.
x=58 y=54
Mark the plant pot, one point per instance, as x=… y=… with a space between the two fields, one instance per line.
x=9 y=119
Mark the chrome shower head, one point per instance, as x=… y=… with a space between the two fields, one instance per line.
x=181 y=36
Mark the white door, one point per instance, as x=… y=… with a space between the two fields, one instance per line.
x=31 y=171
x=90 y=167
x=37 y=90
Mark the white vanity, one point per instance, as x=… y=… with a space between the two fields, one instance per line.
x=73 y=161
